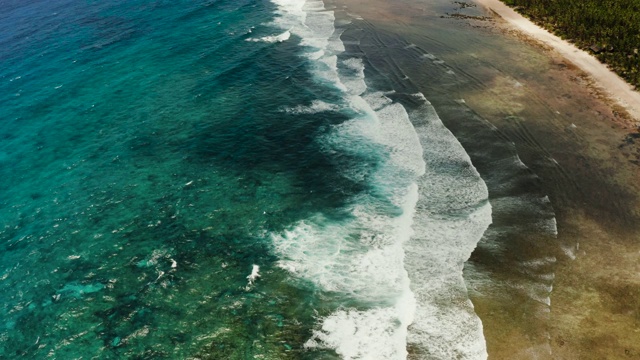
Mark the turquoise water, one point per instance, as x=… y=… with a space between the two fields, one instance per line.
x=145 y=154
x=220 y=180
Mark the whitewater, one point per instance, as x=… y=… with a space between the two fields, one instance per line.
x=231 y=179
x=401 y=272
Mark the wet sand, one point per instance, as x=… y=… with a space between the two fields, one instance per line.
x=594 y=186
x=582 y=150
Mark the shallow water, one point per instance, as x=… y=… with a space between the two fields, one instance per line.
x=233 y=180
x=511 y=272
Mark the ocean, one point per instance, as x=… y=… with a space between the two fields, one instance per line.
x=234 y=180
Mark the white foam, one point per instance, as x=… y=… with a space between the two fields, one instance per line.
x=315 y=55
x=377 y=100
x=362 y=257
x=365 y=334
x=327 y=71
x=452 y=215
x=354 y=83
x=255 y=274
x=356 y=65
x=316 y=106
x=420 y=96
x=315 y=27
x=273 y=39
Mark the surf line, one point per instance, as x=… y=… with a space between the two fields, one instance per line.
x=383 y=261
x=362 y=258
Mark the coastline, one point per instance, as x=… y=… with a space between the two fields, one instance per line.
x=357 y=179
x=606 y=80
x=572 y=134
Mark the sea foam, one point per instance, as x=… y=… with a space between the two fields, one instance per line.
x=362 y=257
x=273 y=39
x=452 y=214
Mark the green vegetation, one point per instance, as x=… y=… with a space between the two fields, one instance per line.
x=609 y=29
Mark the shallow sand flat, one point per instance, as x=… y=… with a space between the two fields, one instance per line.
x=595 y=312
x=580 y=144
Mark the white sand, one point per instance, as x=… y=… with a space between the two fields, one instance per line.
x=616 y=88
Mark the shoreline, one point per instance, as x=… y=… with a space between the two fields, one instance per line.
x=574 y=136
x=606 y=80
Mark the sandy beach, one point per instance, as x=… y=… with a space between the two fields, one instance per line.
x=574 y=125
x=607 y=81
